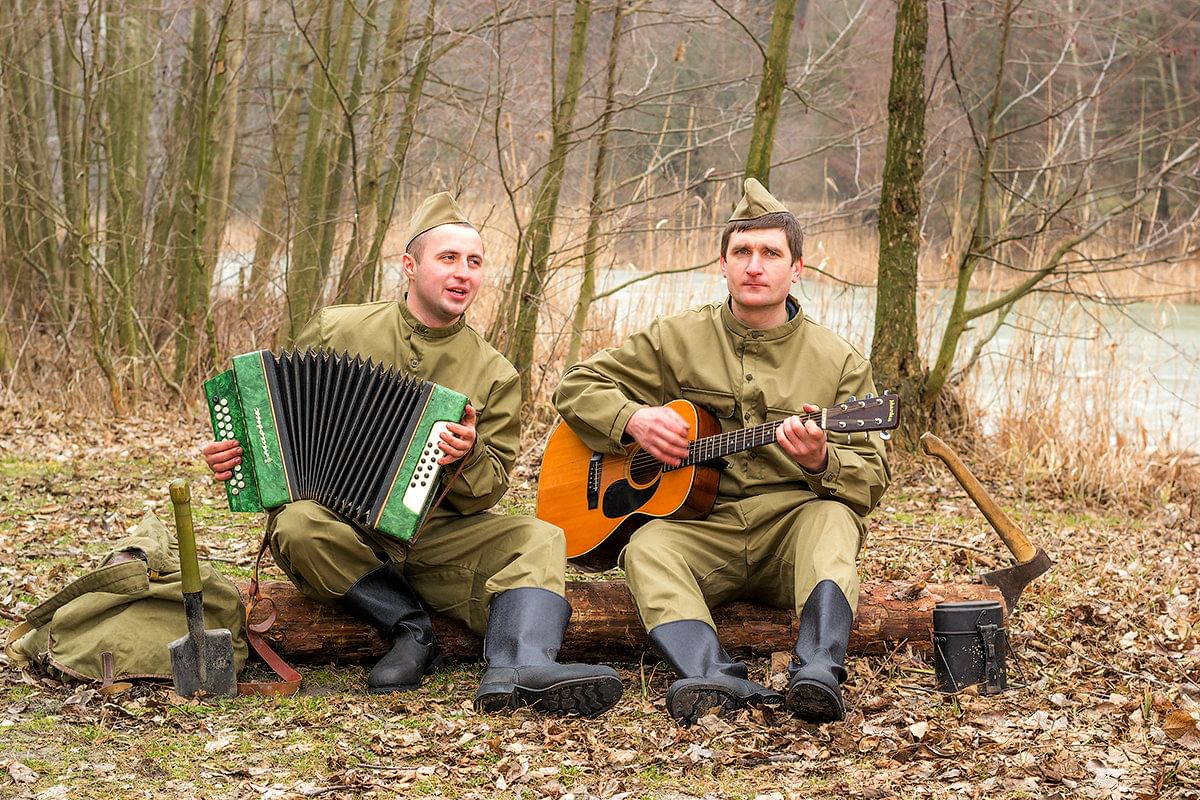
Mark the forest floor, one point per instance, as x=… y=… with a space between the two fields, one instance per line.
x=1104 y=702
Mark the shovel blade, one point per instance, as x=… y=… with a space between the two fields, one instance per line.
x=204 y=666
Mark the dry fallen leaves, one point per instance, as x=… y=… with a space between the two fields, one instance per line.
x=1106 y=642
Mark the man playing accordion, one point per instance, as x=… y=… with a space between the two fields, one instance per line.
x=501 y=576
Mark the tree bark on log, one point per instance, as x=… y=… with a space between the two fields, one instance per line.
x=605 y=626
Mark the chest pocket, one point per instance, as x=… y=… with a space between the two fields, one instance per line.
x=774 y=414
x=721 y=404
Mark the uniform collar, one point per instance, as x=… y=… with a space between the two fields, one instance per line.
x=739 y=328
x=423 y=330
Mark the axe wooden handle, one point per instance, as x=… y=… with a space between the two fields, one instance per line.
x=1017 y=542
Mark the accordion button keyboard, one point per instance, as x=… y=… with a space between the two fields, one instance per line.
x=424 y=476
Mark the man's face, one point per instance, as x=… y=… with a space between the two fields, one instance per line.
x=759 y=270
x=443 y=284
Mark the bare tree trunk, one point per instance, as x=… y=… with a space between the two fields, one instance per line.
x=358 y=272
x=66 y=67
x=127 y=88
x=956 y=325
x=204 y=81
x=536 y=251
x=91 y=268
x=29 y=213
x=348 y=147
x=770 y=91
x=408 y=125
x=591 y=244
x=271 y=234
x=305 y=276
x=227 y=108
x=895 y=356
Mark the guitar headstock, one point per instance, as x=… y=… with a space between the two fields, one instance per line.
x=871 y=413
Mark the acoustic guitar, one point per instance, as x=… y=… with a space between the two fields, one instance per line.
x=600 y=499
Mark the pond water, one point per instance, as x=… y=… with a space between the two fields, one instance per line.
x=1093 y=369
x=1090 y=369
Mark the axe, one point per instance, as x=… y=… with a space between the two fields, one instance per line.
x=1031 y=561
x=200 y=660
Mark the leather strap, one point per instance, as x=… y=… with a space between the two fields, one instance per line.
x=10 y=644
x=289 y=678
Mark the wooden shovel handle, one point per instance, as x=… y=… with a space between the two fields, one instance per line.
x=1017 y=542
x=189 y=564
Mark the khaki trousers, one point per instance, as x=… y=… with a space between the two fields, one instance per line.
x=773 y=549
x=457 y=565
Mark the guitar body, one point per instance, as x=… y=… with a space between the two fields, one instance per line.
x=599 y=500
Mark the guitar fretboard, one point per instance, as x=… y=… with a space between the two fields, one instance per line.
x=723 y=444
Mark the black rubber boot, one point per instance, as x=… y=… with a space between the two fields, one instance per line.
x=524 y=632
x=384 y=599
x=815 y=676
x=710 y=681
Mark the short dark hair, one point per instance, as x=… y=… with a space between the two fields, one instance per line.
x=784 y=220
x=416 y=248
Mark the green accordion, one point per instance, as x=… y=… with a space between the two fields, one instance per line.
x=357 y=437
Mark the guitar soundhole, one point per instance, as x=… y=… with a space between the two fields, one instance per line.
x=644 y=469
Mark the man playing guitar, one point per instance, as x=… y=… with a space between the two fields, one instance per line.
x=789 y=518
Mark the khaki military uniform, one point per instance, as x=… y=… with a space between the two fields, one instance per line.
x=465 y=555
x=776 y=530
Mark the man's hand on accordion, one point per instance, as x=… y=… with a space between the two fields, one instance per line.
x=458 y=438
x=222 y=457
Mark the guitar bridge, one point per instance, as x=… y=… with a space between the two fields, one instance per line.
x=595 y=465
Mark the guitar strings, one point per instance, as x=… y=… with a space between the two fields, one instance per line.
x=643 y=460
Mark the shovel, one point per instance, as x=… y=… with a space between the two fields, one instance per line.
x=201 y=660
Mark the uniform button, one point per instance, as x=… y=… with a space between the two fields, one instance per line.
x=414 y=363
x=753 y=455
x=749 y=377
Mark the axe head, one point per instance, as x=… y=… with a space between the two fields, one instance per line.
x=204 y=662
x=1011 y=581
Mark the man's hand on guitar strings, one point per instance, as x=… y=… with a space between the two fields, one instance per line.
x=222 y=457
x=661 y=432
x=458 y=438
x=804 y=442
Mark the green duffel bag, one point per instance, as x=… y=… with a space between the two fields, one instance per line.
x=114 y=624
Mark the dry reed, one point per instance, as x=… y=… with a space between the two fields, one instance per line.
x=1056 y=422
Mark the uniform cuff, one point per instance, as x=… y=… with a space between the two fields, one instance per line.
x=825 y=482
x=617 y=432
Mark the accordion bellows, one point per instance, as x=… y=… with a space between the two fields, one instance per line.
x=359 y=438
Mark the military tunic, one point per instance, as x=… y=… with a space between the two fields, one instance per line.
x=465 y=555
x=776 y=530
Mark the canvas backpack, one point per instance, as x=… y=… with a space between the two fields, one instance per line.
x=115 y=623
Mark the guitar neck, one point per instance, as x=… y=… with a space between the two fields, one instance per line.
x=723 y=444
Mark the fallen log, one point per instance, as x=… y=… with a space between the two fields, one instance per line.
x=606 y=627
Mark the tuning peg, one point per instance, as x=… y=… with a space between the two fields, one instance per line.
x=852 y=399
x=885 y=435
x=868 y=396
